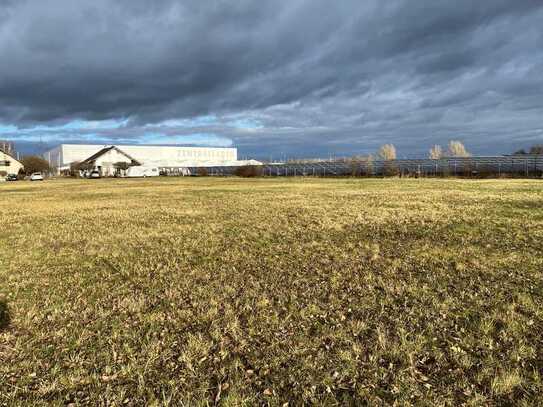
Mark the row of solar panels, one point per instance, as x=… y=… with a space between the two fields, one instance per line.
x=516 y=165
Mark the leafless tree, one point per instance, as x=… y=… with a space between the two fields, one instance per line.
x=436 y=152
x=457 y=149
x=33 y=163
x=387 y=152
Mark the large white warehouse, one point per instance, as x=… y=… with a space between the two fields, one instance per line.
x=63 y=155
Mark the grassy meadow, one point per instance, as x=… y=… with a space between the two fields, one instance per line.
x=202 y=291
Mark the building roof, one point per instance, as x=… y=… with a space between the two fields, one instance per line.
x=105 y=150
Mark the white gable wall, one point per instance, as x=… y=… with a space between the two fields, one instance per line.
x=106 y=162
x=73 y=152
x=8 y=164
x=111 y=157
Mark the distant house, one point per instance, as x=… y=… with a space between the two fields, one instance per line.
x=108 y=161
x=8 y=164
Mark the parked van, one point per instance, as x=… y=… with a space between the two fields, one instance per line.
x=142 y=171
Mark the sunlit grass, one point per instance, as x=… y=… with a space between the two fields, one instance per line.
x=326 y=291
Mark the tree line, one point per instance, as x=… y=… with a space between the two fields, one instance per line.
x=534 y=150
x=455 y=148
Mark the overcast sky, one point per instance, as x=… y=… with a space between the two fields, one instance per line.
x=273 y=78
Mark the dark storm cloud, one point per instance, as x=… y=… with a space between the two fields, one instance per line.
x=339 y=77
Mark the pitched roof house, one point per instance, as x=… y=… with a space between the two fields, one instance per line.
x=106 y=160
x=8 y=164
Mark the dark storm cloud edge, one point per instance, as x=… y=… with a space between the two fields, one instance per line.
x=335 y=76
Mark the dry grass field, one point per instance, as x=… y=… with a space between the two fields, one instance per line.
x=267 y=291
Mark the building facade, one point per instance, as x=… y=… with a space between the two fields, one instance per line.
x=109 y=162
x=63 y=155
x=8 y=164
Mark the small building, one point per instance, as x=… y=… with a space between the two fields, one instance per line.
x=109 y=161
x=8 y=164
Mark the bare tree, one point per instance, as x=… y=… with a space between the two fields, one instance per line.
x=387 y=152
x=361 y=165
x=33 y=163
x=457 y=149
x=369 y=164
x=535 y=150
x=75 y=167
x=436 y=152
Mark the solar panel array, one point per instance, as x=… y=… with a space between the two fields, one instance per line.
x=529 y=165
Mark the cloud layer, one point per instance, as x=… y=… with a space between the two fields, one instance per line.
x=292 y=77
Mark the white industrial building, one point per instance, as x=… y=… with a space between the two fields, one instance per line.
x=163 y=157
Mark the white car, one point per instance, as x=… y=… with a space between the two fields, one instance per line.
x=36 y=176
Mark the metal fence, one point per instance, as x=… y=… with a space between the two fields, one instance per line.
x=521 y=166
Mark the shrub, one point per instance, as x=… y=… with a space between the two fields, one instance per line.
x=356 y=170
x=467 y=169
x=390 y=169
x=248 y=171
x=202 y=172
x=363 y=166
